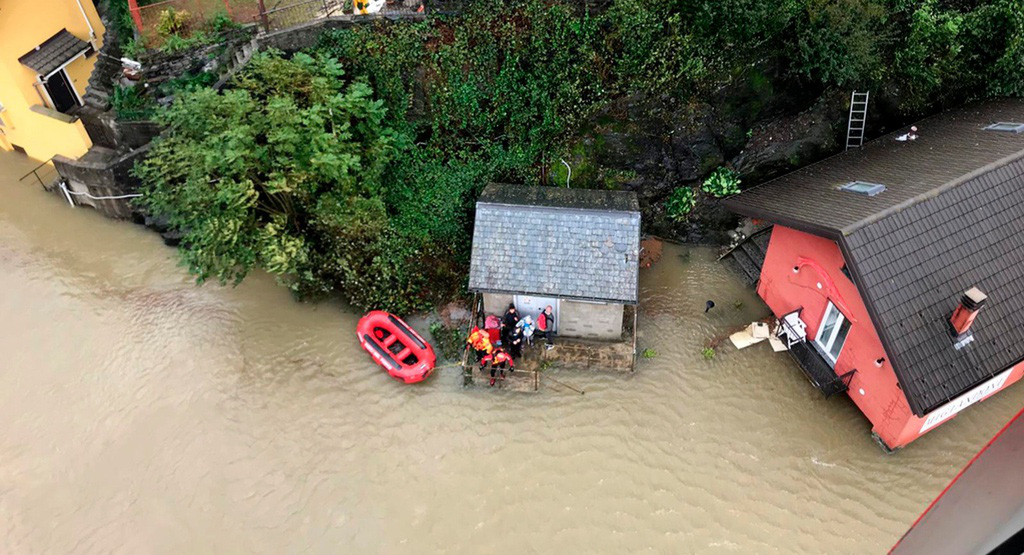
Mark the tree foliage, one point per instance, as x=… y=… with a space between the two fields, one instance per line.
x=281 y=172
x=363 y=181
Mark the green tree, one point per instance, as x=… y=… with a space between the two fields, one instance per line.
x=281 y=172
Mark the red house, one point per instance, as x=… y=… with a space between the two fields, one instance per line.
x=897 y=270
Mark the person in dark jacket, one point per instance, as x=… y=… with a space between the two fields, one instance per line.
x=508 y=323
x=515 y=342
x=546 y=326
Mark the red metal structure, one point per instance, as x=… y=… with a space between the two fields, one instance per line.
x=396 y=347
x=982 y=509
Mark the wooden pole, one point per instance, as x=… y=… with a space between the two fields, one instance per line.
x=263 y=17
x=563 y=384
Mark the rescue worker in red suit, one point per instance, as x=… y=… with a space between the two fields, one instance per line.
x=479 y=342
x=498 y=360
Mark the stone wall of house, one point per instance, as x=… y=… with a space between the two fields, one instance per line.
x=590 y=320
x=101 y=175
x=496 y=303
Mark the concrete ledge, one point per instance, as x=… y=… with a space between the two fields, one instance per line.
x=51 y=113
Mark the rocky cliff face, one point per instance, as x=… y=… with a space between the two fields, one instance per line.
x=759 y=126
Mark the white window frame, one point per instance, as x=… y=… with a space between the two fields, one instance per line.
x=865 y=188
x=825 y=347
x=1006 y=127
x=41 y=80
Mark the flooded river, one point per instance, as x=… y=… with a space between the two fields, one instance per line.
x=141 y=414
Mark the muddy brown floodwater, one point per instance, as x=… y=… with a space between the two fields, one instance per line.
x=141 y=414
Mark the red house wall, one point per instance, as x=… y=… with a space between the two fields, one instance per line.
x=874 y=388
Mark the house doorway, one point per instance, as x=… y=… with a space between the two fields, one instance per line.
x=62 y=95
x=531 y=306
x=832 y=334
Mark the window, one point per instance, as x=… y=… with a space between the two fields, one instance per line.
x=863 y=188
x=1006 y=127
x=832 y=334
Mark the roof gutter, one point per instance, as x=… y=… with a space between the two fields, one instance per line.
x=566 y=297
x=785 y=221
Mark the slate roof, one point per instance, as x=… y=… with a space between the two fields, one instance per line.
x=52 y=54
x=549 y=241
x=950 y=145
x=958 y=224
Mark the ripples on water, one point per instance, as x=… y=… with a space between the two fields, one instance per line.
x=139 y=413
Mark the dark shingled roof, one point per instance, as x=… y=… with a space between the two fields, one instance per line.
x=569 y=243
x=949 y=146
x=954 y=221
x=52 y=54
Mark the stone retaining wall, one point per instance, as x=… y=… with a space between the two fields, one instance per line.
x=107 y=176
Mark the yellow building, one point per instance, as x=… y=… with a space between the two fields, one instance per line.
x=47 y=51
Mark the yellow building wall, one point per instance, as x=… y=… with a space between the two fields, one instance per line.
x=24 y=25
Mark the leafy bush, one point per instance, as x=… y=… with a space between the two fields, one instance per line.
x=130 y=105
x=708 y=353
x=680 y=203
x=450 y=341
x=133 y=48
x=649 y=353
x=283 y=173
x=721 y=183
x=222 y=22
x=173 y=22
x=121 y=19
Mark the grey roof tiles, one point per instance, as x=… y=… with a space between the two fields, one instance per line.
x=950 y=146
x=53 y=52
x=568 y=243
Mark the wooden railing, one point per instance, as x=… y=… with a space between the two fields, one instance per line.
x=45 y=173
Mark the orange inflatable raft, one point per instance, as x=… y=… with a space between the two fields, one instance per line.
x=396 y=346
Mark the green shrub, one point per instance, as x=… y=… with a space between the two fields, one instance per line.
x=131 y=105
x=173 y=22
x=222 y=22
x=708 y=353
x=680 y=203
x=283 y=173
x=649 y=353
x=722 y=183
x=132 y=48
x=449 y=341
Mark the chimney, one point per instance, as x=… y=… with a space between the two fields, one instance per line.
x=964 y=315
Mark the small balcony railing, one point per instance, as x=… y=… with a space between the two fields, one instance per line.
x=818 y=371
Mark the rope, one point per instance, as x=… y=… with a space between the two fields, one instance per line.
x=64 y=188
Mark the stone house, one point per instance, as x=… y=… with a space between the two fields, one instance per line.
x=576 y=250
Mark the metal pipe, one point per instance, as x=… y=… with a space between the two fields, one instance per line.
x=92 y=32
x=568 y=177
x=64 y=189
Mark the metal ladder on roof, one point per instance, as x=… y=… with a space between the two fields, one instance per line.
x=858 y=119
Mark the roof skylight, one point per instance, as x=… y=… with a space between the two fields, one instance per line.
x=1006 y=127
x=863 y=188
